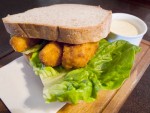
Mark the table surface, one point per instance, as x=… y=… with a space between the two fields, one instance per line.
x=139 y=100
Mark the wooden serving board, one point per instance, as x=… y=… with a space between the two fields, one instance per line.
x=111 y=101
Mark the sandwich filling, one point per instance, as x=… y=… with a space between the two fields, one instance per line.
x=72 y=73
x=54 y=53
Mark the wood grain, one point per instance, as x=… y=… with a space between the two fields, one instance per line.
x=145 y=42
x=94 y=107
x=111 y=101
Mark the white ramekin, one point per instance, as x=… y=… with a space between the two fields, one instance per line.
x=137 y=22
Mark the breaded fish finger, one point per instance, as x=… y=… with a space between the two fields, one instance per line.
x=21 y=44
x=51 y=54
x=76 y=56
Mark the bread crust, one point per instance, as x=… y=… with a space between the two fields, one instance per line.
x=69 y=35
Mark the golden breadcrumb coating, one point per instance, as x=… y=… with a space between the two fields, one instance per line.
x=21 y=44
x=51 y=54
x=76 y=56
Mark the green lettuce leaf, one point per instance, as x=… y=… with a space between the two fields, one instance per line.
x=107 y=70
x=47 y=74
x=113 y=62
x=33 y=49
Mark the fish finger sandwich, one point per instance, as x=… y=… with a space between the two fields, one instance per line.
x=66 y=49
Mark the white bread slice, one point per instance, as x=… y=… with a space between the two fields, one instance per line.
x=68 y=23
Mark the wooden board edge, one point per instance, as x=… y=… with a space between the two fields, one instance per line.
x=145 y=42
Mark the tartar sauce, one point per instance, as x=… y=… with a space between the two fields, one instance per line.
x=123 y=28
